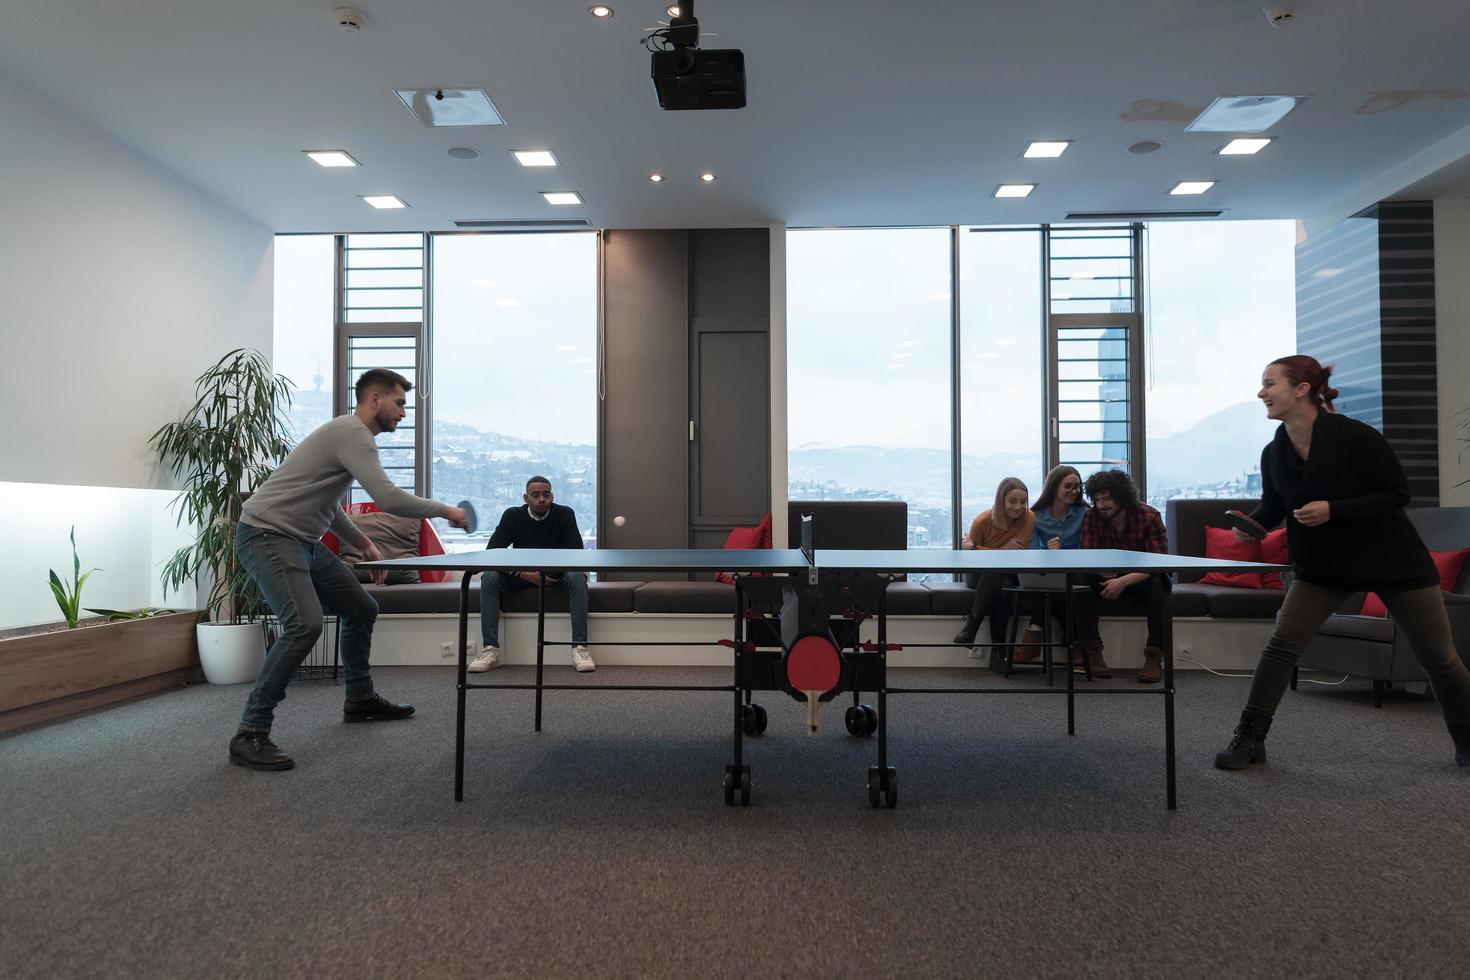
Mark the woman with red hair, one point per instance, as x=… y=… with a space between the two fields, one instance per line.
x=1340 y=489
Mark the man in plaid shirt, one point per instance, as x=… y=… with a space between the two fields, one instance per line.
x=1118 y=519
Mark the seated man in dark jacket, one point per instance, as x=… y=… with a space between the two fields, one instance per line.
x=540 y=524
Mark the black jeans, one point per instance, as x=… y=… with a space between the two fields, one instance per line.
x=1150 y=597
x=991 y=601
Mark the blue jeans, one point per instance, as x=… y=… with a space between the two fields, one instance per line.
x=494 y=583
x=299 y=580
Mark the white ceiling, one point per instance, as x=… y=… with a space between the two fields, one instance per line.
x=862 y=112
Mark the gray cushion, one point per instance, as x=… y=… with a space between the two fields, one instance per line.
x=420 y=597
x=1190 y=601
x=602 y=597
x=907 y=599
x=395 y=537
x=685 y=597
x=1377 y=628
x=1230 y=602
x=950 y=599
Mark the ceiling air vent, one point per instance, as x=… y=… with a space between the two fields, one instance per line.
x=1138 y=215
x=521 y=223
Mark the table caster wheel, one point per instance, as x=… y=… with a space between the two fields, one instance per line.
x=861 y=720
x=729 y=783
x=754 y=719
x=875 y=787
x=890 y=790
x=745 y=786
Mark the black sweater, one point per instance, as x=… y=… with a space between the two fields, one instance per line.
x=1368 y=542
x=517 y=528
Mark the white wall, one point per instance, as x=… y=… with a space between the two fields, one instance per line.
x=119 y=284
x=1452 y=314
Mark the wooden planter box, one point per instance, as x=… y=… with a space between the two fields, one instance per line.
x=51 y=675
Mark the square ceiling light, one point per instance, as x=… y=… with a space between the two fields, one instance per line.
x=562 y=197
x=1245 y=146
x=1244 y=113
x=331 y=158
x=384 y=202
x=1041 y=149
x=1192 y=187
x=535 y=158
x=451 y=106
x=1014 y=190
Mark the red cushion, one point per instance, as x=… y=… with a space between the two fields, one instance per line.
x=1449 y=564
x=1274 y=552
x=1222 y=543
x=745 y=538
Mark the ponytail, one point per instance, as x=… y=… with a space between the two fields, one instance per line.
x=1303 y=368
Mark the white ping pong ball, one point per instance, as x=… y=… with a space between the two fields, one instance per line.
x=620 y=520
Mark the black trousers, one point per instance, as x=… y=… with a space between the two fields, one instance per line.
x=991 y=601
x=1150 y=597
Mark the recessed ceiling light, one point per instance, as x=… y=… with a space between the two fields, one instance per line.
x=656 y=178
x=672 y=11
x=1014 y=190
x=535 y=158
x=562 y=197
x=331 y=158
x=601 y=11
x=463 y=152
x=1244 y=147
x=1244 y=113
x=1047 y=148
x=707 y=177
x=1192 y=187
x=384 y=201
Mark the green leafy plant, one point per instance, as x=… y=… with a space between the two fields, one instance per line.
x=69 y=596
x=119 y=615
x=228 y=442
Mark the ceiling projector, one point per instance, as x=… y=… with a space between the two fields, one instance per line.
x=686 y=77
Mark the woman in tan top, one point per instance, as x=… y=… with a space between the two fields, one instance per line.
x=1007 y=525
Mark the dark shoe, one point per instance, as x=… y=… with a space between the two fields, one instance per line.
x=375 y=709
x=1460 y=732
x=1100 y=670
x=966 y=636
x=255 y=750
x=1248 y=747
x=1027 y=651
x=1152 y=670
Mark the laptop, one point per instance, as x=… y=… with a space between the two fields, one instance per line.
x=1049 y=581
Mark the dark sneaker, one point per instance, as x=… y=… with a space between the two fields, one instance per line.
x=255 y=750
x=375 y=708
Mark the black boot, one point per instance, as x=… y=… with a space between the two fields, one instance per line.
x=1249 y=744
x=966 y=636
x=255 y=750
x=375 y=708
x=1460 y=732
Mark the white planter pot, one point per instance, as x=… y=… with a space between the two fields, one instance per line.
x=230 y=653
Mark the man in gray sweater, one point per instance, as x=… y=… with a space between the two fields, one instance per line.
x=278 y=541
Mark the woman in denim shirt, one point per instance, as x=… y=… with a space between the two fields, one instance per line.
x=1059 y=512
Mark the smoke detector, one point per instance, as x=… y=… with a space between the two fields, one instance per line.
x=348 y=18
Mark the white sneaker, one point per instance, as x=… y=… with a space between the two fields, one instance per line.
x=582 y=659
x=488 y=659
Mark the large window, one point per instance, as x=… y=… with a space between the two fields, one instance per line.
x=301 y=345
x=1221 y=305
x=868 y=382
x=1001 y=379
x=514 y=384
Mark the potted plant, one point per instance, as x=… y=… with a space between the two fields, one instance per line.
x=227 y=443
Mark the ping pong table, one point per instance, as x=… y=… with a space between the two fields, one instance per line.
x=786 y=596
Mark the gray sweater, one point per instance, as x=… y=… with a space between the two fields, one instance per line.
x=303 y=497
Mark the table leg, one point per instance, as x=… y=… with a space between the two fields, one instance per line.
x=540 y=641
x=1067 y=656
x=464 y=616
x=1168 y=639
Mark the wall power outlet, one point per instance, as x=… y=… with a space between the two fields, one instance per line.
x=448 y=650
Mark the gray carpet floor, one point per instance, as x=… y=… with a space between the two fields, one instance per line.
x=602 y=845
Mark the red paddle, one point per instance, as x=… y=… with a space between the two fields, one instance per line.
x=813 y=667
x=1242 y=522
